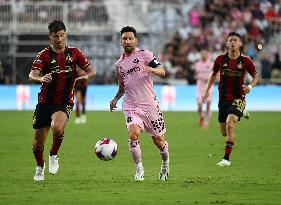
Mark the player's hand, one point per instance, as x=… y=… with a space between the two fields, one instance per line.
x=46 y=78
x=113 y=104
x=205 y=96
x=246 y=89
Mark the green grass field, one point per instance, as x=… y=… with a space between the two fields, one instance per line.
x=253 y=178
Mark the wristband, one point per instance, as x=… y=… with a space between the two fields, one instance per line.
x=250 y=87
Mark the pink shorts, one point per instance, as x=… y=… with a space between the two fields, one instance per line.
x=150 y=119
x=200 y=88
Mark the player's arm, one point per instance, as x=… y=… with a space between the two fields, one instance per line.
x=86 y=73
x=119 y=94
x=253 y=83
x=159 y=70
x=35 y=75
x=252 y=71
x=210 y=82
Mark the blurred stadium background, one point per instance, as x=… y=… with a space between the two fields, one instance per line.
x=175 y=30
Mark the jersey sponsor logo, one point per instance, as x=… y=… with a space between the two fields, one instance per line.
x=128 y=72
x=231 y=73
x=53 y=61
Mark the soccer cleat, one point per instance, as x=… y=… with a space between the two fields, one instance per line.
x=78 y=120
x=224 y=163
x=83 y=119
x=39 y=173
x=53 y=164
x=139 y=176
x=246 y=114
x=164 y=172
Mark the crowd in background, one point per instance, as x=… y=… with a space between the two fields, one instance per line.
x=205 y=25
x=256 y=21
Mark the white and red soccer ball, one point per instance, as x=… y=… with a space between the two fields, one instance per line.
x=106 y=149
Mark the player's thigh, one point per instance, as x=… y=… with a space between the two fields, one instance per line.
x=60 y=116
x=237 y=107
x=133 y=117
x=40 y=136
x=78 y=95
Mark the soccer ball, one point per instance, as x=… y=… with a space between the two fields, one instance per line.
x=106 y=149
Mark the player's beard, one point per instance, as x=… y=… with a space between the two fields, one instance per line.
x=129 y=49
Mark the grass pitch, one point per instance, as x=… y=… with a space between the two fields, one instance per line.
x=253 y=178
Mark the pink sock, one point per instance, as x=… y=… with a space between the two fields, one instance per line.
x=164 y=153
x=134 y=147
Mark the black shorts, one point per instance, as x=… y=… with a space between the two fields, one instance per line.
x=42 y=116
x=235 y=107
x=83 y=90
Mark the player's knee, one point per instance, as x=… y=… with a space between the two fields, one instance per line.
x=159 y=141
x=134 y=136
x=58 y=133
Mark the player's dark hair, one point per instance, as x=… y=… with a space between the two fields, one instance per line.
x=56 y=25
x=235 y=34
x=128 y=29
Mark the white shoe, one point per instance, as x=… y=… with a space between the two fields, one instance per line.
x=224 y=163
x=39 y=173
x=164 y=172
x=139 y=176
x=53 y=164
x=77 y=120
x=83 y=119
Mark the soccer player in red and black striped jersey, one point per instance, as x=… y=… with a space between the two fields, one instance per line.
x=56 y=69
x=232 y=89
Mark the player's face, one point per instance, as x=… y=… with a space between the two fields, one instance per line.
x=204 y=55
x=234 y=43
x=58 y=39
x=128 y=41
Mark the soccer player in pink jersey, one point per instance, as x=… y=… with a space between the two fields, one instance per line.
x=140 y=106
x=203 y=69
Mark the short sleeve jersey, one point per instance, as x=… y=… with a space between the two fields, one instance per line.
x=62 y=67
x=138 y=83
x=232 y=75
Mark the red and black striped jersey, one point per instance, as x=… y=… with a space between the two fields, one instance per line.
x=232 y=75
x=62 y=66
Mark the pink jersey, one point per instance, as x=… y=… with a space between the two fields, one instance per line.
x=138 y=83
x=203 y=70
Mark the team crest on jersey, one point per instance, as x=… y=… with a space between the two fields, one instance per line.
x=136 y=61
x=69 y=58
x=239 y=65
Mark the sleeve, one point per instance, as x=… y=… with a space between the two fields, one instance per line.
x=38 y=62
x=82 y=61
x=151 y=60
x=251 y=69
x=217 y=65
